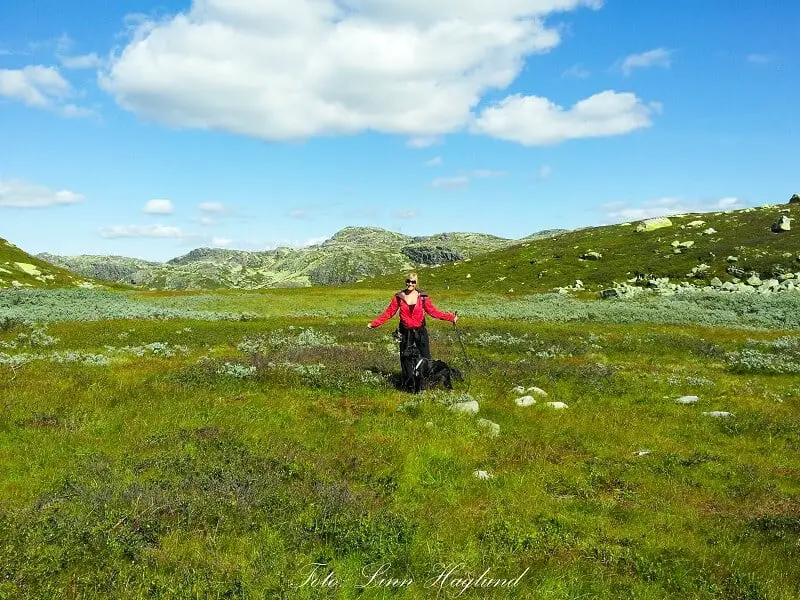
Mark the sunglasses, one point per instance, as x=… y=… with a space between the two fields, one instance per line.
x=414 y=281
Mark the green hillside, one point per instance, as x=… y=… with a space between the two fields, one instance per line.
x=20 y=269
x=733 y=245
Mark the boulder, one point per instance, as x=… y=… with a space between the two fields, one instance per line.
x=591 y=255
x=782 y=224
x=471 y=407
x=653 y=224
x=795 y=199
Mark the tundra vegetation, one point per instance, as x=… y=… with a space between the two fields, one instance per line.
x=163 y=444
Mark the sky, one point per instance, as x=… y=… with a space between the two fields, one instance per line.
x=148 y=128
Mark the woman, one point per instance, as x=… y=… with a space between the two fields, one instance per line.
x=413 y=304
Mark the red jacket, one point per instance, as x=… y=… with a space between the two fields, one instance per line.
x=409 y=319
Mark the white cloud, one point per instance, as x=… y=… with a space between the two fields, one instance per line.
x=37 y=86
x=576 y=71
x=451 y=183
x=419 y=143
x=212 y=207
x=659 y=57
x=434 y=162
x=536 y=121
x=543 y=173
x=299 y=214
x=83 y=61
x=619 y=211
x=205 y=221
x=405 y=214
x=221 y=242
x=21 y=194
x=294 y=70
x=145 y=231
x=158 y=206
x=41 y=87
x=760 y=59
x=488 y=174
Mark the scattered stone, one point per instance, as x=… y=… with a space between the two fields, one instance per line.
x=782 y=224
x=732 y=259
x=718 y=413
x=591 y=255
x=471 y=407
x=653 y=224
x=696 y=224
x=557 y=405
x=716 y=282
x=687 y=244
x=609 y=293
x=642 y=453
x=687 y=400
x=429 y=425
x=709 y=231
x=482 y=475
x=493 y=429
x=538 y=391
x=754 y=280
x=525 y=401
x=518 y=389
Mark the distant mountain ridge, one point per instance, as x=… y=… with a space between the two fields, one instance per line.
x=351 y=254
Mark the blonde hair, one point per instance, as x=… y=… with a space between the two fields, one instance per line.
x=414 y=277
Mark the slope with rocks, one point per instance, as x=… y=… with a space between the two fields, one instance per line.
x=20 y=269
x=757 y=244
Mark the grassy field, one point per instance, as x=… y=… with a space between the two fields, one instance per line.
x=153 y=447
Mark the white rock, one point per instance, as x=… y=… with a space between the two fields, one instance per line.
x=718 y=413
x=641 y=453
x=537 y=391
x=470 y=407
x=557 y=405
x=483 y=475
x=518 y=389
x=687 y=400
x=493 y=429
x=525 y=401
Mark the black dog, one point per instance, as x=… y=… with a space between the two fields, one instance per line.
x=429 y=373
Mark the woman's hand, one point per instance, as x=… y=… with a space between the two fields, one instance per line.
x=455 y=318
x=369 y=325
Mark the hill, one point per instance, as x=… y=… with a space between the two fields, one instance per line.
x=731 y=246
x=351 y=254
x=20 y=269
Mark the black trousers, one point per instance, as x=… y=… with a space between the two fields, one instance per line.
x=414 y=344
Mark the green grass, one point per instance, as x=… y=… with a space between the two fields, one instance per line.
x=167 y=474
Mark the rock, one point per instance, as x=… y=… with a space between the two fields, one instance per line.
x=642 y=453
x=537 y=391
x=482 y=475
x=609 y=293
x=687 y=400
x=718 y=413
x=696 y=224
x=557 y=405
x=493 y=429
x=729 y=287
x=429 y=425
x=653 y=224
x=716 y=282
x=687 y=244
x=709 y=231
x=754 y=280
x=782 y=224
x=591 y=255
x=518 y=389
x=431 y=255
x=525 y=401
x=795 y=199
x=732 y=259
x=471 y=407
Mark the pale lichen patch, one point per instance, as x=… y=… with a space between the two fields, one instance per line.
x=28 y=268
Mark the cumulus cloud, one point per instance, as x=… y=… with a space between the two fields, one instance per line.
x=21 y=194
x=211 y=207
x=620 y=211
x=41 y=87
x=158 y=206
x=83 y=61
x=576 y=71
x=434 y=162
x=536 y=121
x=294 y=70
x=145 y=231
x=659 y=57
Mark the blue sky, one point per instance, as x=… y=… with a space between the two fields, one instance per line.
x=147 y=129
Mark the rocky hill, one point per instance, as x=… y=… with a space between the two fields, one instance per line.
x=20 y=269
x=753 y=249
x=352 y=254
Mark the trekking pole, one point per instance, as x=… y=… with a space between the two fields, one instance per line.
x=466 y=358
